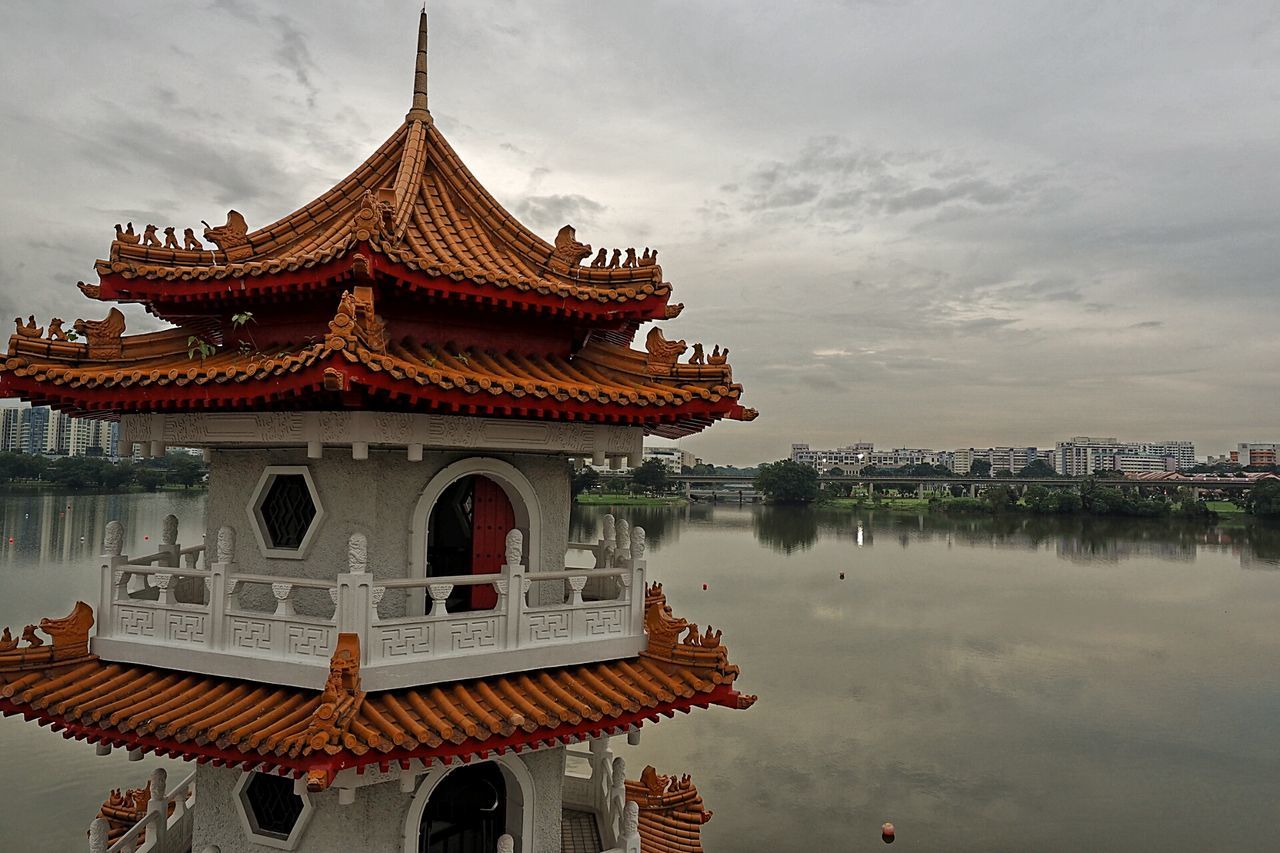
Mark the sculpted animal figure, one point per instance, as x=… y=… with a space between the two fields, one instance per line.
x=234 y=233
x=149 y=237
x=661 y=350
x=30 y=330
x=630 y=263
x=189 y=241
x=568 y=250
x=127 y=234
x=697 y=357
x=102 y=331
x=7 y=642
x=719 y=356
x=649 y=259
x=170 y=239
x=616 y=260
x=31 y=637
x=601 y=259
x=55 y=330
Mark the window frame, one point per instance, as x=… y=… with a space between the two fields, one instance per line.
x=249 y=822
x=258 y=523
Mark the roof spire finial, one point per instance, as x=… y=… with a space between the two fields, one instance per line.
x=419 y=111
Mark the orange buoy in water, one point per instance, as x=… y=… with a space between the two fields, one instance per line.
x=146 y=538
x=704 y=587
x=887 y=833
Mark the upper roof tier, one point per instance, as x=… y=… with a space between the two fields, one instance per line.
x=414 y=204
x=477 y=314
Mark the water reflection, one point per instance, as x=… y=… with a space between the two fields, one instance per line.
x=788 y=530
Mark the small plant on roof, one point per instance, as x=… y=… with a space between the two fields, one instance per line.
x=239 y=321
x=198 y=346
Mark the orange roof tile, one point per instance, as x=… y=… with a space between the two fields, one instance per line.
x=230 y=721
x=671 y=813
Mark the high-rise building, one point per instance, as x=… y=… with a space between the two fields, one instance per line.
x=39 y=430
x=1083 y=455
x=1256 y=453
x=1000 y=458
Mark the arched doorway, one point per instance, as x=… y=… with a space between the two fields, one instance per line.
x=466 y=535
x=467 y=812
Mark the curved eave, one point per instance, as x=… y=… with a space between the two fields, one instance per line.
x=296 y=280
x=723 y=695
x=310 y=381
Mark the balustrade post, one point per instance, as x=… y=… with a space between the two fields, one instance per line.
x=506 y=844
x=169 y=546
x=355 y=604
x=515 y=607
x=636 y=592
x=98 y=836
x=630 y=841
x=114 y=578
x=623 y=553
x=159 y=790
x=608 y=541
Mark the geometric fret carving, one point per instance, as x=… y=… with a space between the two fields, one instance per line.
x=603 y=622
x=406 y=640
x=136 y=621
x=308 y=640
x=185 y=627
x=250 y=634
x=473 y=634
x=546 y=627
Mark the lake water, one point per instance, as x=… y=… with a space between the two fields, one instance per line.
x=1016 y=685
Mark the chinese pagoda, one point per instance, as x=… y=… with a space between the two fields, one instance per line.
x=379 y=646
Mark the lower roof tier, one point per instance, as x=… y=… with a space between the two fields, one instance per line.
x=356 y=365
x=233 y=722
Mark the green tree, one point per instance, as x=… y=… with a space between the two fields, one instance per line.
x=149 y=479
x=980 y=468
x=1037 y=469
x=1000 y=498
x=651 y=476
x=1003 y=474
x=584 y=478
x=787 y=481
x=1263 y=499
x=183 y=469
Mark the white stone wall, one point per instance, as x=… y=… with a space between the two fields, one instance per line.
x=374 y=823
x=375 y=496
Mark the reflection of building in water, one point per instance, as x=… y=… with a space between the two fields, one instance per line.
x=1113 y=549
x=381 y=648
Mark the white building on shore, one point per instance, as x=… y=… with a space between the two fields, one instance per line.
x=1083 y=455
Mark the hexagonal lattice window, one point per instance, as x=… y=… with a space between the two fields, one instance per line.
x=285 y=510
x=272 y=813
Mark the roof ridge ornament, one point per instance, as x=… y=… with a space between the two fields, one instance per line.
x=419 y=111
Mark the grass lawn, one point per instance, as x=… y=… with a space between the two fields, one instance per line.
x=1224 y=507
x=630 y=500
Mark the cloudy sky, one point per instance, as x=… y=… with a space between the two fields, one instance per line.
x=920 y=223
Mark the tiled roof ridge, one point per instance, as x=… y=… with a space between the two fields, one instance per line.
x=670 y=810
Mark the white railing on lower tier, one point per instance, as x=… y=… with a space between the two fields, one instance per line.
x=165 y=828
x=603 y=792
x=194 y=619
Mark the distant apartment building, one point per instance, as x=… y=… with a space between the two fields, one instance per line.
x=1256 y=453
x=852 y=458
x=1083 y=455
x=38 y=430
x=1000 y=458
x=673 y=458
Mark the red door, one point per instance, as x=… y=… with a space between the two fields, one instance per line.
x=491 y=518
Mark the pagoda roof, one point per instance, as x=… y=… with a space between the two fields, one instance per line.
x=416 y=206
x=356 y=365
x=233 y=722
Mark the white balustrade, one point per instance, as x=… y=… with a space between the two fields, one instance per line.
x=292 y=644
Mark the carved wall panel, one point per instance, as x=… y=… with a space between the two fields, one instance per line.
x=548 y=627
x=135 y=621
x=186 y=628
x=250 y=633
x=405 y=640
x=473 y=634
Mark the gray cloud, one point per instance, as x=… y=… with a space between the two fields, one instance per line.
x=982 y=205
